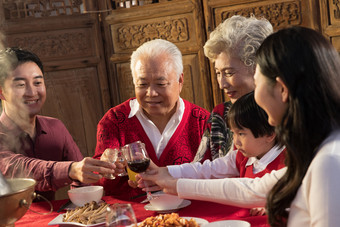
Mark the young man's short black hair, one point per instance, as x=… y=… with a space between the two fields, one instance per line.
x=11 y=58
x=24 y=56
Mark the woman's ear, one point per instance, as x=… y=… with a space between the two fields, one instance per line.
x=180 y=81
x=283 y=89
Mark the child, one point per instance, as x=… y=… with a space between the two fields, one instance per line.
x=256 y=153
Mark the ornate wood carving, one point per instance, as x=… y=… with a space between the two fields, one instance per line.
x=131 y=36
x=280 y=14
x=336 y=9
x=55 y=44
x=15 y=9
x=334 y=12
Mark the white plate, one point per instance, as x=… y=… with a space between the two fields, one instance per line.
x=59 y=221
x=185 y=203
x=199 y=221
x=228 y=223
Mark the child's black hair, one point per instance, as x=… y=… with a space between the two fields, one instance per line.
x=245 y=113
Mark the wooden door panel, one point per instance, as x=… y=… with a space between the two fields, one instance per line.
x=191 y=90
x=124 y=81
x=75 y=92
x=330 y=20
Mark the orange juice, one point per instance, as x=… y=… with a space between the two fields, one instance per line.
x=131 y=174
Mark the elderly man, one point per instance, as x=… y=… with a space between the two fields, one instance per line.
x=33 y=145
x=170 y=127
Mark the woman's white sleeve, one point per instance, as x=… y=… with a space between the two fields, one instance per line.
x=242 y=192
x=219 y=168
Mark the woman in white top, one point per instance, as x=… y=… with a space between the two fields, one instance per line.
x=297 y=83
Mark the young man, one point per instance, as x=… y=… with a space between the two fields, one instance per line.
x=32 y=145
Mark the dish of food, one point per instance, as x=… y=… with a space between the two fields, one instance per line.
x=199 y=221
x=185 y=203
x=91 y=214
x=59 y=221
x=172 y=219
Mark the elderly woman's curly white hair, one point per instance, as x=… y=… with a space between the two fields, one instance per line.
x=238 y=36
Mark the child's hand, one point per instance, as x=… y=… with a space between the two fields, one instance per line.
x=258 y=211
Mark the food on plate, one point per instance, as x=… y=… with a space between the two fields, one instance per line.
x=167 y=220
x=90 y=213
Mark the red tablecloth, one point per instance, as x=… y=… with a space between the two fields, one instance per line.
x=206 y=210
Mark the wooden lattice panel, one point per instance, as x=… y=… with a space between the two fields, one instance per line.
x=279 y=13
x=18 y=9
x=334 y=11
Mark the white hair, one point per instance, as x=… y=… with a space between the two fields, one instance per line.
x=7 y=61
x=239 y=36
x=156 y=48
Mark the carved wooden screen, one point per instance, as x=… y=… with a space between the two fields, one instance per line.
x=70 y=45
x=280 y=13
x=14 y=9
x=182 y=25
x=330 y=19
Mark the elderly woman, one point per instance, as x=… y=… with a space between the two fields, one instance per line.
x=232 y=47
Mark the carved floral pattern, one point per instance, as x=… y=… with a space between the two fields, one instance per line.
x=47 y=45
x=279 y=14
x=336 y=6
x=132 y=36
x=40 y=8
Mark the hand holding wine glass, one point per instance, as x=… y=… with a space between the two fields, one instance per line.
x=122 y=160
x=138 y=159
x=109 y=155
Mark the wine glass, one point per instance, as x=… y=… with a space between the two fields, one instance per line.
x=137 y=159
x=120 y=215
x=110 y=155
x=121 y=159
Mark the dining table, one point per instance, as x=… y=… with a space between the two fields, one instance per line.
x=198 y=209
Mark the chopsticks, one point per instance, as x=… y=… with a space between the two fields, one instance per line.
x=64 y=206
x=138 y=196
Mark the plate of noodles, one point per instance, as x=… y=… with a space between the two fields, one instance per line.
x=90 y=215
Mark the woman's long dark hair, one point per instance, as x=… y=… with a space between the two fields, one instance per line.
x=310 y=67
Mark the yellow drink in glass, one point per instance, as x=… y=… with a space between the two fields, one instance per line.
x=131 y=174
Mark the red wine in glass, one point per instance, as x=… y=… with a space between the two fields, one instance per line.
x=138 y=159
x=139 y=166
